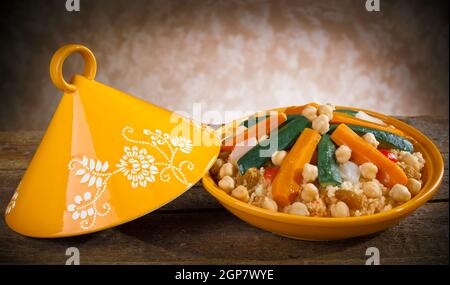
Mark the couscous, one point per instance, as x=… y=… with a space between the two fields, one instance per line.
x=325 y=163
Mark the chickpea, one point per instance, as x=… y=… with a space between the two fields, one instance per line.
x=343 y=154
x=400 y=193
x=278 y=157
x=370 y=138
x=298 y=208
x=321 y=124
x=368 y=170
x=240 y=193
x=310 y=172
x=226 y=184
x=332 y=106
x=340 y=209
x=326 y=110
x=216 y=166
x=226 y=170
x=310 y=112
x=309 y=192
x=414 y=186
x=269 y=204
x=411 y=160
x=371 y=189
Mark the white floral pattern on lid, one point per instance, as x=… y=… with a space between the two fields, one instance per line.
x=79 y=212
x=183 y=143
x=92 y=171
x=12 y=203
x=137 y=164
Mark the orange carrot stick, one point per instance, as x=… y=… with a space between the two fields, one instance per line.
x=297 y=110
x=286 y=185
x=342 y=118
x=389 y=173
x=254 y=132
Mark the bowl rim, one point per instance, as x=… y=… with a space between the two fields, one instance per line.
x=432 y=184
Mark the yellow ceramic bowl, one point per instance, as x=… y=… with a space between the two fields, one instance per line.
x=318 y=228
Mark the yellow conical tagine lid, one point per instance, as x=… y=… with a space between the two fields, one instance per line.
x=106 y=158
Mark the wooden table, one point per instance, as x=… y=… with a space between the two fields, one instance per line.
x=195 y=229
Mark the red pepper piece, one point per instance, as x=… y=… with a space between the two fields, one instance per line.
x=270 y=173
x=389 y=155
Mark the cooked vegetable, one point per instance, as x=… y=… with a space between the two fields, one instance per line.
x=297 y=110
x=286 y=184
x=266 y=126
x=290 y=117
x=253 y=133
x=366 y=117
x=241 y=149
x=227 y=133
x=341 y=118
x=270 y=173
x=361 y=115
x=389 y=155
x=310 y=112
x=253 y=120
x=226 y=148
x=392 y=140
x=328 y=167
x=350 y=172
x=346 y=111
x=278 y=157
x=336 y=169
x=388 y=172
x=286 y=135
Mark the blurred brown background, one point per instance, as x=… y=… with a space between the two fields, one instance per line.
x=231 y=55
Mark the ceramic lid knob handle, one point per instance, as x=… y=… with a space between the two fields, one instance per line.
x=56 y=66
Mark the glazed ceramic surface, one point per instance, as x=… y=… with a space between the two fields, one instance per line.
x=105 y=159
x=321 y=228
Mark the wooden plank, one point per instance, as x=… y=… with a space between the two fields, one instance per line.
x=217 y=237
x=17 y=148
